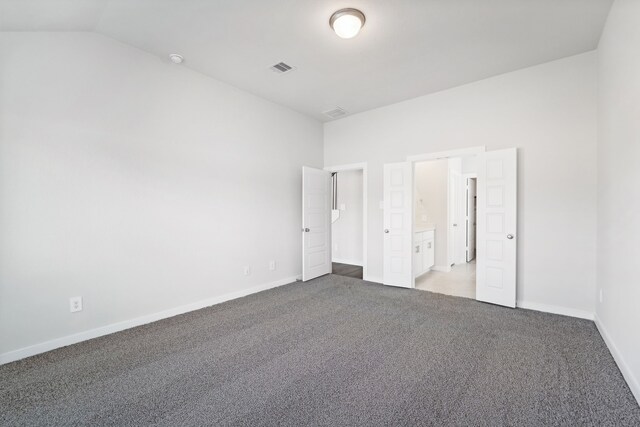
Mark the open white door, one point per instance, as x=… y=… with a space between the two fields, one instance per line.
x=457 y=245
x=316 y=223
x=398 y=213
x=471 y=214
x=496 y=227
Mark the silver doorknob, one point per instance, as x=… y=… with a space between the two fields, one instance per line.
x=386 y=231
x=509 y=236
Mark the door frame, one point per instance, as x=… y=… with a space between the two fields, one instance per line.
x=417 y=158
x=356 y=167
x=466 y=177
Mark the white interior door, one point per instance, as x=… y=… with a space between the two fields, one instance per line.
x=398 y=213
x=471 y=218
x=459 y=235
x=456 y=245
x=316 y=223
x=496 y=227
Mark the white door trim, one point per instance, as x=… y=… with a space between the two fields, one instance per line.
x=365 y=208
x=461 y=152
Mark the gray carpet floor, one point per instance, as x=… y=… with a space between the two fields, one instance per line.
x=333 y=351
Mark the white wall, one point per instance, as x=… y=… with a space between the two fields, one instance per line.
x=431 y=198
x=618 y=315
x=346 y=232
x=138 y=184
x=549 y=113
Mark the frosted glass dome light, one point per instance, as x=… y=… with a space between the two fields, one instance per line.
x=347 y=22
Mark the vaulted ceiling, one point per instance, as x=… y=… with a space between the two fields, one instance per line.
x=407 y=48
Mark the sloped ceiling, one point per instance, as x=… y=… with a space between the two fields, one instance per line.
x=406 y=49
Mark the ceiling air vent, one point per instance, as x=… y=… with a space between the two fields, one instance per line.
x=336 y=113
x=281 y=68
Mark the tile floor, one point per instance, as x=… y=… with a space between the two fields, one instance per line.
x=459 y=282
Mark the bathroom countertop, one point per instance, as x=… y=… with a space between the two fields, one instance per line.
x=427 y=227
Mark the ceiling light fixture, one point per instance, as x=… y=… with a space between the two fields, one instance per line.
x=176 y=59
x=347 y=22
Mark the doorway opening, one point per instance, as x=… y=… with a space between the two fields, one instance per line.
x=444 y=231
x=471 y=215
x=348 y=220
x=497 y=208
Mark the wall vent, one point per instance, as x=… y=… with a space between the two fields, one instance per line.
x=336 y=113
x=282 y=68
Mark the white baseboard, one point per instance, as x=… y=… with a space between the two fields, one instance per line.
x=347 y=261
x=632 y=381
x=442 y=268
x=554 y=309
x=132 y=323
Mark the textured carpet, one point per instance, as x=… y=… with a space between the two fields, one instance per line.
x=333 y=351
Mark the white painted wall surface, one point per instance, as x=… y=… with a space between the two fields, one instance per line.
x=549 y=113
x=136 y=183
x=346 y=232
x=431 y=181
x=618 y=314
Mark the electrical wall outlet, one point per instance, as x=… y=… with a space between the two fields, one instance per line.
x=75 y=304
x=247 y=270
x=272 y=265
